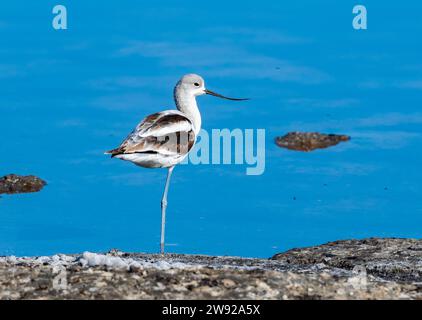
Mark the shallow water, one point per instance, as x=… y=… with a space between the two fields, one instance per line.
x=67 y=96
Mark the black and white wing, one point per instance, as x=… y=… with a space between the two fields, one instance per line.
x=168 y=133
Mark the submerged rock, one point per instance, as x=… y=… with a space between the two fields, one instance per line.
x=309 y=141
x=351 y=269
x=13 y=183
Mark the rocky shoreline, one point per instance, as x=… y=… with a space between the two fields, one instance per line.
x=351 y=269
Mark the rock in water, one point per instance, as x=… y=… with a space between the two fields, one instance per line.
x=13 y=183
x=309 y=141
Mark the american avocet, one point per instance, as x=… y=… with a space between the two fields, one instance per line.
x=163 y=139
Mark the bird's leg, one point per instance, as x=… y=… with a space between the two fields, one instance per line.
x=163 y=209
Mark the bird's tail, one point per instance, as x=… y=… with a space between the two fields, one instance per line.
x=113 y=152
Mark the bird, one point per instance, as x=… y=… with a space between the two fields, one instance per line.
x=164 y=139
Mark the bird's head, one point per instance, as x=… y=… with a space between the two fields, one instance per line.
x=195 y=85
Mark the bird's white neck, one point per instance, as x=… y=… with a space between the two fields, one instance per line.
x=186 y=103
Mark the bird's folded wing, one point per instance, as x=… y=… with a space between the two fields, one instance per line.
x=167 y=133
x=163 y=123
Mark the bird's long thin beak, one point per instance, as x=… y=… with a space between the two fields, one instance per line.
x=223 y=97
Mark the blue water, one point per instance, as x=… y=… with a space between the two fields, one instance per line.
x=66 y=96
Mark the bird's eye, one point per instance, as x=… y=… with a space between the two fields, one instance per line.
x=196 y=84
